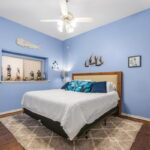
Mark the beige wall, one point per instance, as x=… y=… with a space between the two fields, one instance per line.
x=14 y=63
x=31 y=65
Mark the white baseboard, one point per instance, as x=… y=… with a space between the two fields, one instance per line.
x=136 y=117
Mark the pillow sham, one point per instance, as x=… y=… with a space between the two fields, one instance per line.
x=65 y=85
x=87 y=87
x=79 y=86
x=99 y=87
x=71 y=86
x=111 y=87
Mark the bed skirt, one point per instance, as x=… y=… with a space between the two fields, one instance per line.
x=56 y=127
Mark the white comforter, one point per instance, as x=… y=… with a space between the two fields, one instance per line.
x=72 y=109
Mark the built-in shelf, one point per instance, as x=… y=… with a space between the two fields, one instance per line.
x=22 y=67
x=42 y=81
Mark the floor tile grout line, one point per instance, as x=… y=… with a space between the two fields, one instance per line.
x=74 y=145
x=129 y=135
x=32 y=137
x=50 y=140
x=119 y=144
x=93 y=143
x=124 y=130
x=106 y=132
x=115 y=138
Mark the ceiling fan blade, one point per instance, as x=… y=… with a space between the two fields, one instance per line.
x=64 y=7
x=50 y=20
x=83 y=20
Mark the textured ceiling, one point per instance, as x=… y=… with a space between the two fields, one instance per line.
x=29 y=13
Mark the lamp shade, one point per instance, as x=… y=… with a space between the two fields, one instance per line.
x=64 y=74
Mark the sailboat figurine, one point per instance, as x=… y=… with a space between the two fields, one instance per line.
x=99 y=61
x=92 y=60
x=87 y=63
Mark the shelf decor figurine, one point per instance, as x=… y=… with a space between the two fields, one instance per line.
x=39 y=75
x=18 y=74
x=8 y=72
x=43 y=76
x=32 y=75
x=25 y=79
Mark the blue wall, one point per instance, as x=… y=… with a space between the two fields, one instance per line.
x=115 y=42
x=11 y=93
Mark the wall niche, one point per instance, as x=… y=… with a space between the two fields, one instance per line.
x=20 y=67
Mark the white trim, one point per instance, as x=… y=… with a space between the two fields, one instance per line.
x=134 y=116
x=12 y=111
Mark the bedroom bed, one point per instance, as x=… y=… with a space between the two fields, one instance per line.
x=70 y=113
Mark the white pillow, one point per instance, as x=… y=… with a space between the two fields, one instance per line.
x=111 y=87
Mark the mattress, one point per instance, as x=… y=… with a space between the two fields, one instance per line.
x=72 y=109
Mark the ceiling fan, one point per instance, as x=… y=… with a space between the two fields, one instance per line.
x=67 y=21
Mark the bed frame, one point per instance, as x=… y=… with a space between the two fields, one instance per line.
x=115 y=77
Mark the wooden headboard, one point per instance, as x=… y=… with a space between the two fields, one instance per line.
x=115 y=77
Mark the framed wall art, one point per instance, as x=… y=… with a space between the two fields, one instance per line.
x=134 y=61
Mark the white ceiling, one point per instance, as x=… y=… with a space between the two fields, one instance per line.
x=29 y=13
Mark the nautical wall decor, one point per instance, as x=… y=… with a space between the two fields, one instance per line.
x=134 y=61
x=55 y=66
x=94 y=60
x=24 y=43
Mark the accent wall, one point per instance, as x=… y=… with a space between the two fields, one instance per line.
x=115 y=42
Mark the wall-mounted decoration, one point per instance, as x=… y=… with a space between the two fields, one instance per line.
x=87 y=63
x=99 y=61
x=134 y=61
x=24 y=43
x=94 y=60
x=55 y=66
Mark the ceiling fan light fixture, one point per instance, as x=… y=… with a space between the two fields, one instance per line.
x=60 y=29
x=73 y=24
x=60 y=23
x=68 y=27
x=67 y=22
x=60 y=26
x=70 y=30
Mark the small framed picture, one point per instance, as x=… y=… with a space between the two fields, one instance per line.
x=134 y=61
